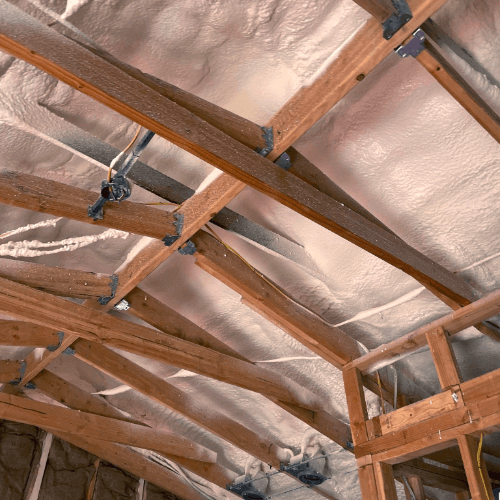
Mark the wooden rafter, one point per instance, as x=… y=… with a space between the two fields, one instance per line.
x=56 y=280
x=50 y=311
x=100 y=428
x=50 y=51
x=10 y=371
x=20 y=334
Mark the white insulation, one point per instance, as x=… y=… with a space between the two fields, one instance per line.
x=398 y=143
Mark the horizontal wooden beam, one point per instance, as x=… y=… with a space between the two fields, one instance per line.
x=434 y=62
x=21 y=334
x=56 y=280
x=379 y=9
x=50 y=311
x=68 y=394
x=76 y=66
x=447 y=420
x=356 y=60
x=157 y=314
x=452 y=323
x=10 y=371
x=43 y=195
x=101 y=428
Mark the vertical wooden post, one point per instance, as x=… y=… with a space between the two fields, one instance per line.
x=444 y=358
x=33 y=489
x=417 y=487
x=477 y=477
x=384 y=477
x=358 y=415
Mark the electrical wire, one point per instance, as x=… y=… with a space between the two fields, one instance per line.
x=479 y=448
x=123 y=152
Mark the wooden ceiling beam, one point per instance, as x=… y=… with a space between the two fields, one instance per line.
x=43 y=195
x=10 y=370
x=75 y=398
x=78 y=320
x=56 y=280
x=23 y=334
x=452 y=323
x=379 y=9
x=157 y=314
x=100 y=428
x=50 y=51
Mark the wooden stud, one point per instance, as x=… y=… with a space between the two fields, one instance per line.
x=417 y=488
x=37 y=472
x=384 y=477
x=479 y=481
x=444 y=358
x=43 y=47
x=356 y=405
x=102 y=428
x=453 y=323
x=432 y=60
x=21 y=334
x=367 y=483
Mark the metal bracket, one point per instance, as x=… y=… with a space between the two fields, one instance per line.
x=305 y=473
x=414 y=46
x=30 y=385
x=284 y=161
x=123 y=305
x=69 y=351
x=349 y=445
x=112 y=284
x=268 y=136
x=22 y=371
x=188 y=248
x=246 y=490
x=397 y=20
x=118 y=189
x=52 y=348
x=178 y=223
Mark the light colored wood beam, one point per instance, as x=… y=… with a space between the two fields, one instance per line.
x=10 y=370
x=357 y=59
x=157 y=314
x=432 y=60
x=47 y=310
x=444 y=358
x=50 y=51
x=356 y=405
x=68 y=394
x=96 y=427
x=453 y=323
x=37 y=472
x=43 y=195
x=56 y=280
x=175 y=399
x=21 y=334
x=477 y=475
x=384 y=477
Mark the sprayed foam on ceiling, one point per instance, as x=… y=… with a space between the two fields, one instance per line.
x=398 y=143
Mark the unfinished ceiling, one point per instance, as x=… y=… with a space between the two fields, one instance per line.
x=398 y=143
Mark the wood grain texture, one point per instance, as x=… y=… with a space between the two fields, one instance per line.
x=384 y=477
x=56 y=280
x=102 y=428
x=417 y=488
x=9 y=370
x=433 y=61
x=50 y=311
x=356 y=60
x=21 y=334
x=379 y=9
x=92 y=75
x=367 y=483
x=68 y=394
x=478 y=479
x=152 y=311
x=444 y=358
x=177 y=400
x=268 y=299
x=42 y=195
x=453 y=323
x=356 y=405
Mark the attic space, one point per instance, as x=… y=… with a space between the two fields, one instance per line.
x=249 y=249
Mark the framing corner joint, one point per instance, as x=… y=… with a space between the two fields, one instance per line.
x=169 y=240
x=397 y=20
x=268 y=136
x=53 y=348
